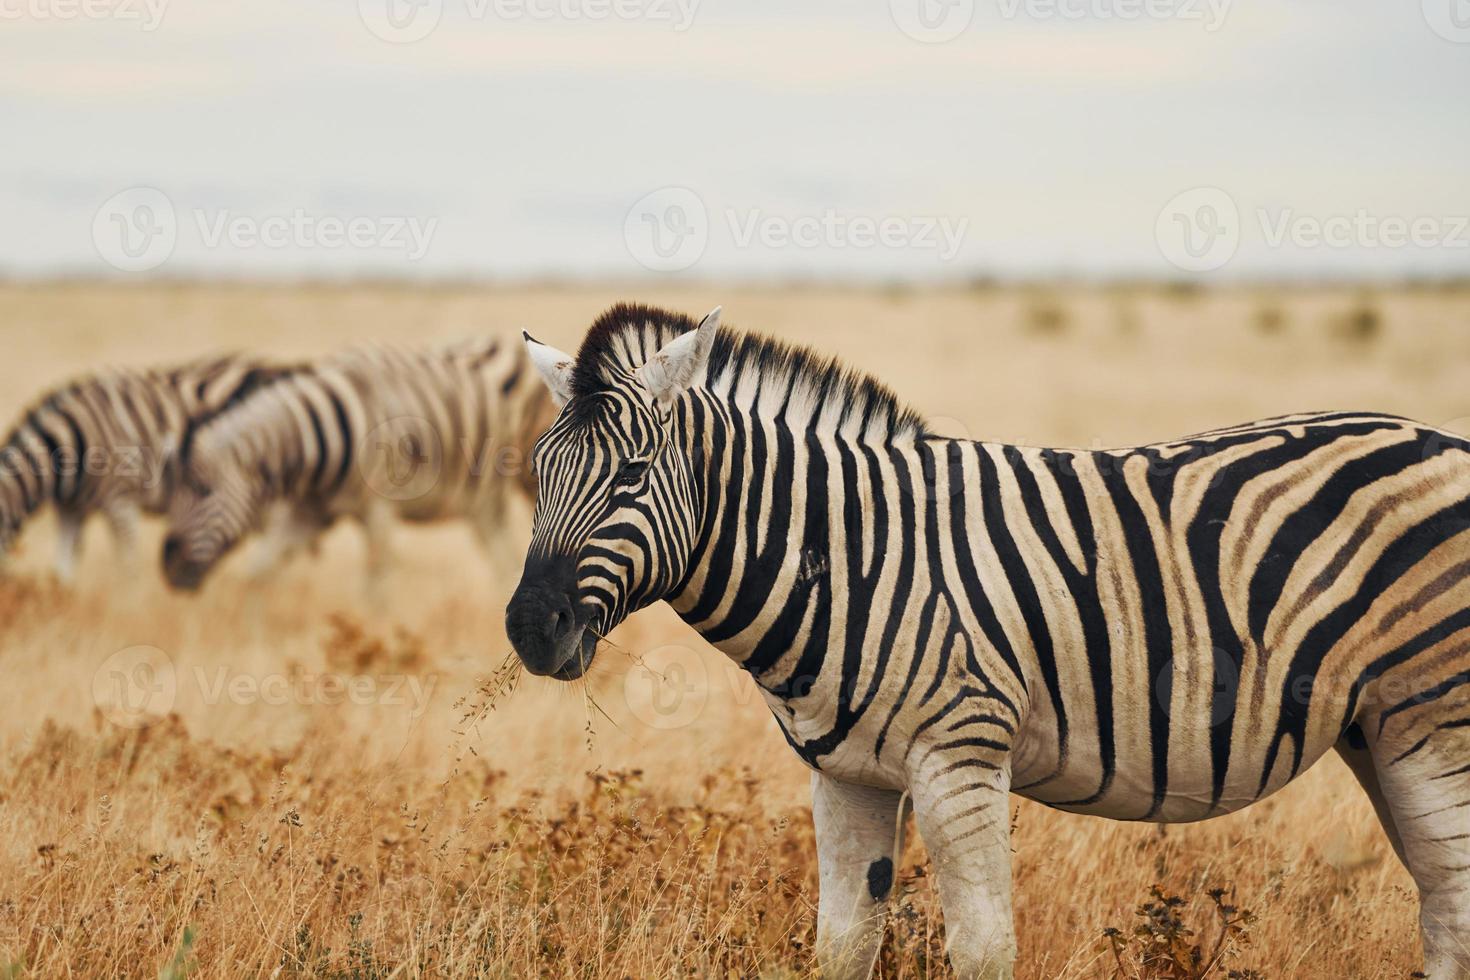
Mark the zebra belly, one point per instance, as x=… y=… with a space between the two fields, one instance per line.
x=1195 y=741
x=1131 y=794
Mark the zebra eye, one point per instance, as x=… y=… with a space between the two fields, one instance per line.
x=631 y=473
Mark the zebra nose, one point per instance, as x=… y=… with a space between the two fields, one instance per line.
x=177 y=569
x=542 y=616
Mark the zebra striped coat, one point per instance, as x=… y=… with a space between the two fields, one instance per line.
x=372 y=433
x=98 y=445
x=1163 y=633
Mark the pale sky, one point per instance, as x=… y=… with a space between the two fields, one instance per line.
x=892 y=139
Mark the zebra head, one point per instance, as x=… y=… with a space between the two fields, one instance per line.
x=616 y=507
x=212 y=506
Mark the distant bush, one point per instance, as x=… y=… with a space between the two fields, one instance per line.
x=1361 y=324
x=1183 y=290
x=1127 y=321
x=1045 y=317
x=1270 y=320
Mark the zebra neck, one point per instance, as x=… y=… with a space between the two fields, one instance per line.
x=784 y=513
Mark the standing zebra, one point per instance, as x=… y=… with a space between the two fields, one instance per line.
x=98 y=445
x=1166 y=633
x=371 y=433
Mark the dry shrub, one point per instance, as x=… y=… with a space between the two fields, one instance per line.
x=271 y=864
x=1163 y=946
x=350 y=647
x=25 y=599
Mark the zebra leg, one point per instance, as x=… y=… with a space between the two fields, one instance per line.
x=68 y=544
x=123 y=516
x=961 y=802
x=288 y=530
x=377 y=522
x=1354 y=752
x=1427 y=785
x=856 y=830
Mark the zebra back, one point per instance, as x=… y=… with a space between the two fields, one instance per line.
x=103 y=438
x=435 y=432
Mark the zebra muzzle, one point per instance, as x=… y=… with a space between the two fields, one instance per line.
x=179 y=569
x=546 y=626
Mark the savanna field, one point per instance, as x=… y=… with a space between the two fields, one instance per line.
x=299 y=778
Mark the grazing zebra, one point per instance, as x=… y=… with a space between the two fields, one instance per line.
x=1164 y=633
x=370 y=433
x=98 y=445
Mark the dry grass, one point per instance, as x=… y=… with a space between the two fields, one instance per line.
x=278 y=820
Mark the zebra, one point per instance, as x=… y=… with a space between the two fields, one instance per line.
x=98 y=445
x=1164 y=633
x=372 y=433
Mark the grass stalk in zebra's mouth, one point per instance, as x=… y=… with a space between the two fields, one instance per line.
x=585 y=648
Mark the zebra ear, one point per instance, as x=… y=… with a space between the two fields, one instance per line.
x=555 y=367
x=681 y=361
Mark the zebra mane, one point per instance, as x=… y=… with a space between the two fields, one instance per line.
x=768 y=377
